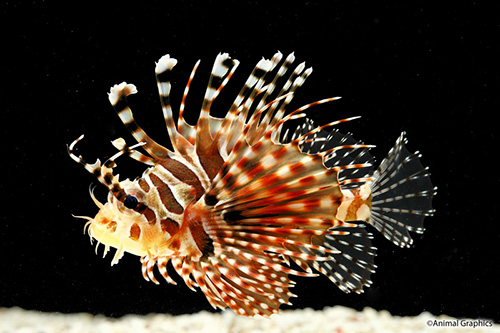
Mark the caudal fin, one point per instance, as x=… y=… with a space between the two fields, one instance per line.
x=401 y=195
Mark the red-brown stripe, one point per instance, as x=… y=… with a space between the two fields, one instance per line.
x=184 y=174
x=135 y=232
x=144 y=185
x=166 y=196
x=211 y=162
x=169 y=226
x=150 y=215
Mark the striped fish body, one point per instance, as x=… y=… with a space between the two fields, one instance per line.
x=236 y=201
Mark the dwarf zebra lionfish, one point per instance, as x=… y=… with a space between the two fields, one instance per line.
x=236 y=201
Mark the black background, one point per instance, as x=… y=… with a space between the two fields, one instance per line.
x=399 y=65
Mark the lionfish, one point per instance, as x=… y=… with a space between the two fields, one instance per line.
x=237 y=207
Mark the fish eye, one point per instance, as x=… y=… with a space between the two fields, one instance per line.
x=130 y=201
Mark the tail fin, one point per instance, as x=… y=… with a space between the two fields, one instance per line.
x=401 y=195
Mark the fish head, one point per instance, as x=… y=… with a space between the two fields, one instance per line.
x=130 y=222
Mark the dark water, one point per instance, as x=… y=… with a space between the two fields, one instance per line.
x=411 y=67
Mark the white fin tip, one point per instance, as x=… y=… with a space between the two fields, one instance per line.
x=265 y=64
x=219 y=68
x=119 y=143
x=119 y=90
x=165 y=63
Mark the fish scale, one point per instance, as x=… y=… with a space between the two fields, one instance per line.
x=237 y=208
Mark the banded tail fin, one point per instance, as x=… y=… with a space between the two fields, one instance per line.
x=401 y=195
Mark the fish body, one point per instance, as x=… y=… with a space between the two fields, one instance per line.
x=237 y=201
